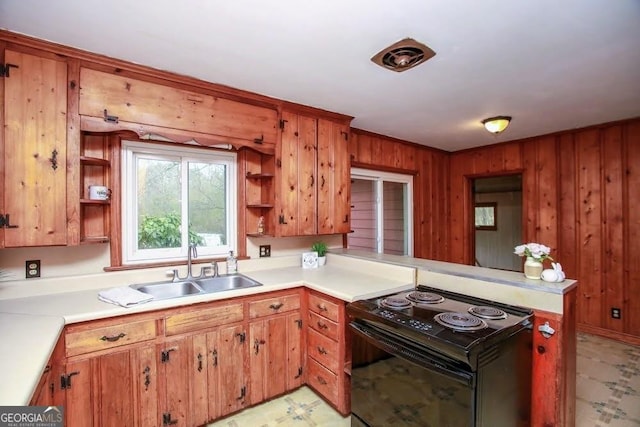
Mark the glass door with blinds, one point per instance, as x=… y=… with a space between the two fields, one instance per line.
x=381 y=213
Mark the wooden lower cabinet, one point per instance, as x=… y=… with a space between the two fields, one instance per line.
x=275 y=340
x=191 y=365
x=47 y=392
x=114 y=389
x=328 y=350
x=232 y=381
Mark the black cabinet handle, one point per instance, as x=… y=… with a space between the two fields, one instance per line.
x=276 y=306
x=113 y=338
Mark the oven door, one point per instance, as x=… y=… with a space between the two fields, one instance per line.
x=394 y=383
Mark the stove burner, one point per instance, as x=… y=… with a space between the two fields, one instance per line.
x=397 y=303
x=487 y=312
x=425 y=297
x=463 y=322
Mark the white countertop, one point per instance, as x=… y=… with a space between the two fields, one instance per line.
x=31 y=324
x=33 y=315
x=28 y=341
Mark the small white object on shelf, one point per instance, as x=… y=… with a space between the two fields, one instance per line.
x=310 y=260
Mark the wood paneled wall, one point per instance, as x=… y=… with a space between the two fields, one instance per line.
x=430 y=170
x=581 y=197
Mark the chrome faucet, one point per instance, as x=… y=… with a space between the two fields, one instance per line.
x=215 y=269
x=192 y=253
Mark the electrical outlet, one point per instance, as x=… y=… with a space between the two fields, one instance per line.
x=32 y=269
x=616 y=313
x=265 y=251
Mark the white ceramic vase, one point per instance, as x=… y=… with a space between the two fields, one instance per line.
x=532 y=268
x=322 y=260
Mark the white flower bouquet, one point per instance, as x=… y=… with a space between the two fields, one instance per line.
x=534 y=250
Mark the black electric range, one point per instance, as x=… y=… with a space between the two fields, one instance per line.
x=453 y=325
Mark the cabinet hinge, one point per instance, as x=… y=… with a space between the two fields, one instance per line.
x=4 y=222
x=164 y=355
x=345 y=134
x=299 y=322
x=166 y=419
x=65 y=380
x=282 y=122
x=4 y=69
x=281 y=220
x=243 y=393
x=259 y=140
x=110 y=119
x=299 y=373
x=241 y=336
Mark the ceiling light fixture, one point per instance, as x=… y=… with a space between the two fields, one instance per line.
x=496 y=124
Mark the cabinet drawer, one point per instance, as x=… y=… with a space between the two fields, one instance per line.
x=203 y=318
x=324 y=350
x=324 y=307
x=269 y=306
x=106 y=337
x=323 y=381
x=323 y=325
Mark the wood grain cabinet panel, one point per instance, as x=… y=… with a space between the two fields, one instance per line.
x=203 y=318
x=35 y=152
x=274 y=305
x=117 y=388
x=324 y=306
x=145 y=103
x=312 y=176
x=85 y=338
x=275 y=339
x=328 y=350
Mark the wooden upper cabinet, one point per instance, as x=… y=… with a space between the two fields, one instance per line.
x=334 y=178
x=296 y=176
x=35 y=151
x=126 y=103
x=312 y=177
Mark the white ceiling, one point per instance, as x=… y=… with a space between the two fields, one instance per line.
x=552 y=65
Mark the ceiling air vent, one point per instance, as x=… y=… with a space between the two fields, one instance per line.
x=402 y=55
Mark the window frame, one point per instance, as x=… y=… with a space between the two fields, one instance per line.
x=494 y=207
x=130 y=150
x=379 y=178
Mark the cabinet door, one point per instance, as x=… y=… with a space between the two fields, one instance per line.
x=295 y=368
x=79 y=409
x=35 y=135
x=145 y=398
x=334 y=178
x=231 y=366
x=204 y=378
x=276 y=356
x=175 y=381
x=296 y=195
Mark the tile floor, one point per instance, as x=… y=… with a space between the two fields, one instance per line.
x=608 y=394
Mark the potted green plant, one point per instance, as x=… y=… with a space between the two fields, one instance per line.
x=321 y=249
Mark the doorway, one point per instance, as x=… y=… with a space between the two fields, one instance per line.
x=497 y=221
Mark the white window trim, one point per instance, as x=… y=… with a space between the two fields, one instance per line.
x=379 y=177
x=129 y=209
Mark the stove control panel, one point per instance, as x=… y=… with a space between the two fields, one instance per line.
x=407 y=321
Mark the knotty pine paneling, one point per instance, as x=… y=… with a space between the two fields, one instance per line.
x=580 y=197
x=631 y=184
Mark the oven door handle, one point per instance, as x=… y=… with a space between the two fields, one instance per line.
x=398 y=349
